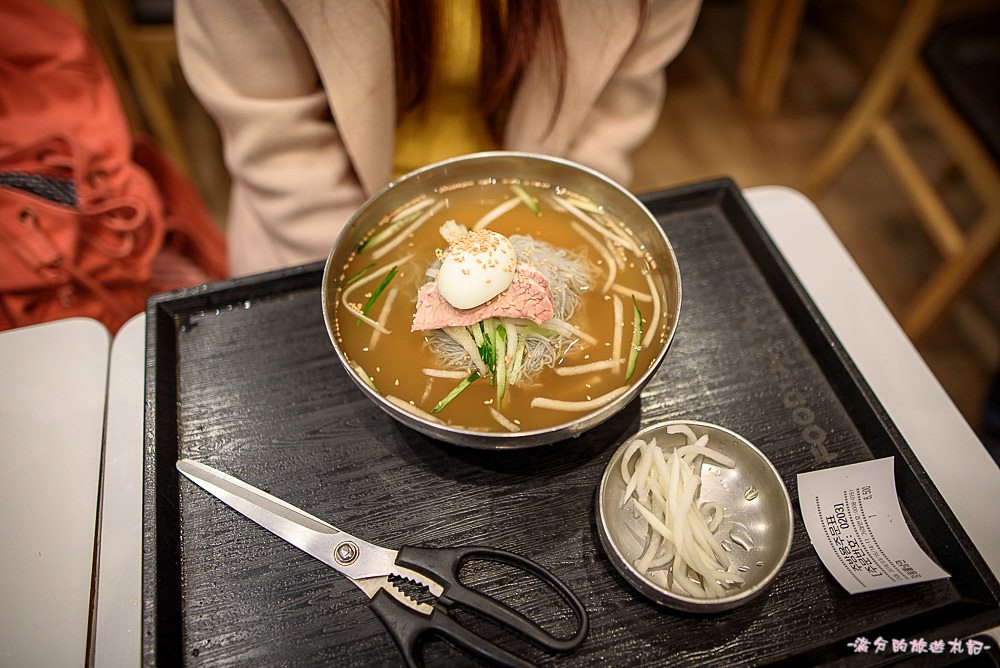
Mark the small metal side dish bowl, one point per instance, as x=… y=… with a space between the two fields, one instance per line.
x=527 y=168
x=756 y=530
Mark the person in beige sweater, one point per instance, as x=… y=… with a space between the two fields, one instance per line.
x=305 y=95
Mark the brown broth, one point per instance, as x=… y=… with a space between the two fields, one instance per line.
x=394 y=363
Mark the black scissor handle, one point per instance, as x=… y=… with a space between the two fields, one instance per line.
x=408 y=628
x=444 y=564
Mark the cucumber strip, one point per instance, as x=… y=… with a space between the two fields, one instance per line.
x=585 y=205
x=457 y=390
x=489 y=349
x=477 y=334
x=501 y=363
x=358 y=275
x=387 y=232
x=378 y=291
x=527 y=199
x=633 y=355
x=515 y=374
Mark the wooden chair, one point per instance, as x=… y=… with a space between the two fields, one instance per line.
x=141 y=34
x=958 y=125
x=770 y=31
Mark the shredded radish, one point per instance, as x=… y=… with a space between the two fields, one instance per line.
x=455 y=374
x=602 y=250
x=511 y=347
x=365 y=319
x=496 y=212
x=568 y=330
x=378 y=273
x=652 y=325
x=463 y=338
x=383 y=317
x=619 y=257
x=616 y=335
x=399 y=403
x=578 y=406
x=629 y=292
x=413 y=208
x=663 y=487
x=597 y=227
x=423 y=218
x=503 y=420
x=579 y=369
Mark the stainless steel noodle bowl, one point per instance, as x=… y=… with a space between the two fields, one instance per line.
x=502 y=300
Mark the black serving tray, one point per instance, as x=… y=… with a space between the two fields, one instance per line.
x=242 y=376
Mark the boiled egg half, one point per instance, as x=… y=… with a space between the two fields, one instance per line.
x=476 y=268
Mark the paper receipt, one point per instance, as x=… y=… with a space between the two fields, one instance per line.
x=855 y=524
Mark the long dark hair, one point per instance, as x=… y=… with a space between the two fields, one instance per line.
x=512 y=34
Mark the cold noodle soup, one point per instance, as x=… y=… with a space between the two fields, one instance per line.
x=501 y=306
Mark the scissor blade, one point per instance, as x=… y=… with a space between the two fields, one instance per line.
x=306 y=532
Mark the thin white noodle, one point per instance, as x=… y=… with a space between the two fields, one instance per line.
x=616 y=335
x=427 y=390
x=399 y=403
x=578 y=406
x=410 y=229
x=619 y=257
x=365 y=319
x=566 y=329
x=580 y=369
x=383 y=316
x=597 y=227
x=496 y=212
x=609 y=260
x=445 y=373
x=502 y=419
x=654 y=321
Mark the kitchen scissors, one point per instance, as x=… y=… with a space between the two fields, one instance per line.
x=377 y=572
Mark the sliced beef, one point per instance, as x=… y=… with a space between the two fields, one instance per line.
x=527 y=297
